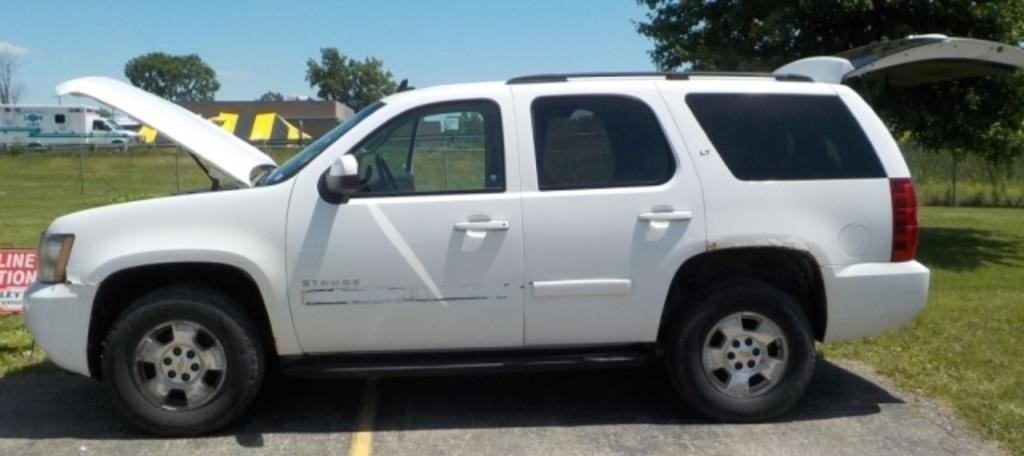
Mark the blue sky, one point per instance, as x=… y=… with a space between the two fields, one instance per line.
x=257 y=46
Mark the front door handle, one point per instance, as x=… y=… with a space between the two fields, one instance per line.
x=667 y=216
x=489 y=225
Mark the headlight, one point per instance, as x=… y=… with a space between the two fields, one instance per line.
x=52 y=259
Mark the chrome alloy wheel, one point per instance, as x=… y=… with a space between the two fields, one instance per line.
x=744 y=355
x=179 y=365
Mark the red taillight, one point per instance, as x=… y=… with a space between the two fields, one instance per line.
x=904 y=219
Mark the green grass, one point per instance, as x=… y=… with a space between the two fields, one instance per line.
x=35 y=188
x=967 y=347
x=16 y=351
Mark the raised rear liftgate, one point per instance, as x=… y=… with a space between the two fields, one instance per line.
x=911 y=61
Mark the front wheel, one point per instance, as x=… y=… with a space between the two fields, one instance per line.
x=183 y=361
x=742 y=353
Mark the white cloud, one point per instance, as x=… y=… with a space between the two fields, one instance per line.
x=12 y=49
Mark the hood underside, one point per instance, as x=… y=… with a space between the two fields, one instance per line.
x=224 y=152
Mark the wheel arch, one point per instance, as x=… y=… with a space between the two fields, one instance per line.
x=794 y=271
x=119 y=289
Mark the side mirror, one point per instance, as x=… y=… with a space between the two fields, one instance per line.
x=341 y=180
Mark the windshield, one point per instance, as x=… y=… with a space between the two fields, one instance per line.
x=301 y=159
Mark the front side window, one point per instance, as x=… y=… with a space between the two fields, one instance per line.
x=594 y=141
x=100 y=125
x=448 y=148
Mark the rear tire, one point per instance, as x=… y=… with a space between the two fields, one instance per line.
x=743 y=352
x=183 y=361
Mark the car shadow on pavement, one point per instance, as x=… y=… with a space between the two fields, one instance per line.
x=56 y=405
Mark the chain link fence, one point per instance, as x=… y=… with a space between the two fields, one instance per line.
x=37 y=186
x=941 y=180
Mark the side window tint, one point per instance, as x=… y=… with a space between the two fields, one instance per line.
x=59 y=118
x=785 y=137
x=596 y=141
x=455 y=147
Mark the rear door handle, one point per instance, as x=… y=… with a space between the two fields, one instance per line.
x=667 y=216
x=489 y=225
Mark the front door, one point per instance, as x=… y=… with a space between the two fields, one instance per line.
x=428 y=254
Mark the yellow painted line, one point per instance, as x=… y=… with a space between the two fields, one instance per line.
x=362 y=440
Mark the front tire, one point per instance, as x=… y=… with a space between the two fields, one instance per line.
x=183 y=361
x=743 y=352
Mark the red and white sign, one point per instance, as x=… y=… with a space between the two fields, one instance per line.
x=17 y=272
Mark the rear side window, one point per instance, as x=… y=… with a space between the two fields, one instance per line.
x=594 y=141
x=786 y=137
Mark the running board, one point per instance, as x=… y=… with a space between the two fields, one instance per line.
x=465 y=362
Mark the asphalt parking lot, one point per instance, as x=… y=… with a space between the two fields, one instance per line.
x=846 y=411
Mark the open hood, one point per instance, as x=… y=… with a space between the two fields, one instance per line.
x=226 y=153
x=914 y=60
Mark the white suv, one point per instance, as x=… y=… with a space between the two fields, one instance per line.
x=717 y=223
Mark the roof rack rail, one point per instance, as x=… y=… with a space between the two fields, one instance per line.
x=564 y=77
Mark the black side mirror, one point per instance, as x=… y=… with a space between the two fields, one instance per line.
x=340 y=181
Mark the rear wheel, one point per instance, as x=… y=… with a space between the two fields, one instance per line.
x=183 y=361
x=743 y=352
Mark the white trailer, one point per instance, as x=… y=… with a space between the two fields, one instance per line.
x=45 y=126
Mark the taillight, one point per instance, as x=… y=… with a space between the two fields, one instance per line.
x=904 y=219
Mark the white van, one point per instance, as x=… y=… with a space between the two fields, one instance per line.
x=45 y=126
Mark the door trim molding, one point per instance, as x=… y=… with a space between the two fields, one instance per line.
x=582 y=287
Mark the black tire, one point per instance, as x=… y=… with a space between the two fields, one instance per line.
x=215 y=312
x=690 y=332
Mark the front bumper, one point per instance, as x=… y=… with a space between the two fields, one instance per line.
x=58 y=318
x=869 y=298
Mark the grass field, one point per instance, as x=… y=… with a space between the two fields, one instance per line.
x=16 y=351
x=966 y=348
x=36 y=188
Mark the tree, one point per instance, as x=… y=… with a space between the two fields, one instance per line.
x=762 y=35
x=10 y=90
x=983 y=115
x=174 y=77
x=355 y=83
x=271 y=96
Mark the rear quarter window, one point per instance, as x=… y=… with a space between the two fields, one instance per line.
x=785 y=137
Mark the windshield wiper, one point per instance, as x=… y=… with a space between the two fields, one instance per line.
x=265 y=171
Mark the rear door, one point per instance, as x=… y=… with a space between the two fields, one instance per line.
x=915 y=60
x=611 y=208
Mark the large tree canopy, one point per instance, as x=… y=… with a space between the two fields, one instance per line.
x=357 y=84
x=174 y=77
x=982 y=115
x=760 y=35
